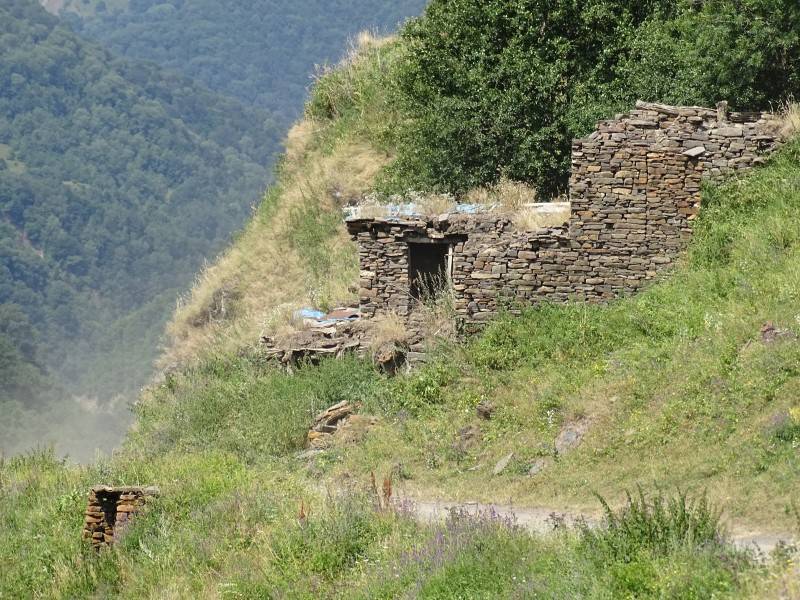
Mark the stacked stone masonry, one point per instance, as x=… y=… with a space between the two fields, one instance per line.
x=110 y=510
x=634 y=191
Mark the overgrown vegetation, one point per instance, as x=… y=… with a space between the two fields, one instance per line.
x=691 y=386
x=229 y=528
x=677 y=385
x=500 y=89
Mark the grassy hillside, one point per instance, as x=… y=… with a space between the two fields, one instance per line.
x=295 y=251
x=687 y=392
x=680 y=387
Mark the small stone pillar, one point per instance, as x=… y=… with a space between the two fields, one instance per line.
x=110 y=510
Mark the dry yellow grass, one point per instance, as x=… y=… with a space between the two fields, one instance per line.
x=518 y=200
x=790 y=119
x=387 y=328
x=295 y=251
x=508 y=195
x=268 y=277
x=435 y=204
x=540 y=216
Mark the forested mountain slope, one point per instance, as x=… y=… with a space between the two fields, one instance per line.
x=260 y=51
x=116 y=180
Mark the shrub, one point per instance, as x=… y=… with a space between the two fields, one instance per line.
x=657 y=526
x=500 y=88
x=329 y=543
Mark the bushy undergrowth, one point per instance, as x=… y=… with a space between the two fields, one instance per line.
x=221 y=529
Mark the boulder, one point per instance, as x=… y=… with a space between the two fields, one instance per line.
x=502 y=464
x=571 y=436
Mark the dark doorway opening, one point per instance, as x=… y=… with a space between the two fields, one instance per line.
x=108 y=503
x=429 y=272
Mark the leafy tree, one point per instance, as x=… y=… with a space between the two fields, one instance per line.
x=500 y=88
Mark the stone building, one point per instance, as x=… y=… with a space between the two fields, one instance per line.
x=634 y=191
x=110 y=510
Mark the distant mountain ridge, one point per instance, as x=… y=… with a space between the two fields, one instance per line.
x=262 y=52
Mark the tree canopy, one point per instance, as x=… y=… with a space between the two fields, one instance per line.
x=262 y=52
x=500 y=88
x=117 y=180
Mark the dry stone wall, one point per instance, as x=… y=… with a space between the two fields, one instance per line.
x=634 y=191
x=110 y=510
x=635 y=187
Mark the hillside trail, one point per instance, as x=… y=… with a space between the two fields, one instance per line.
x=546 y=519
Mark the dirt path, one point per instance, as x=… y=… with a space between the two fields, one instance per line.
x=542 y=519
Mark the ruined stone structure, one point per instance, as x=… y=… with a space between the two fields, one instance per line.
x=110 y=510
x=634 y=191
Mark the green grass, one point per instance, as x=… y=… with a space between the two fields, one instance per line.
x=223 y=528
x=677 y=385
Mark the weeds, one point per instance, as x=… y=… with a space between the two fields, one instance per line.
x=658 y=525
x=790 y=119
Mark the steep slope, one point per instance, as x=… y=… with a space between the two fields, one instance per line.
x=693 y=384
x=116 y=181
x=680 y=386
x=260 y=52
x=295 y=251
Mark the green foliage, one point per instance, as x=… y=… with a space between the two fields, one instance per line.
x=238 y=406
x=500 y=88
x=132 y=176
x=635 y=541
x=260 y=52
x=329 y=544
x=251 y=531
x=424 y=388
x=657 y=525
x=311 y=228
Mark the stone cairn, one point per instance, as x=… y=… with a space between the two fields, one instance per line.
x=110 y=510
